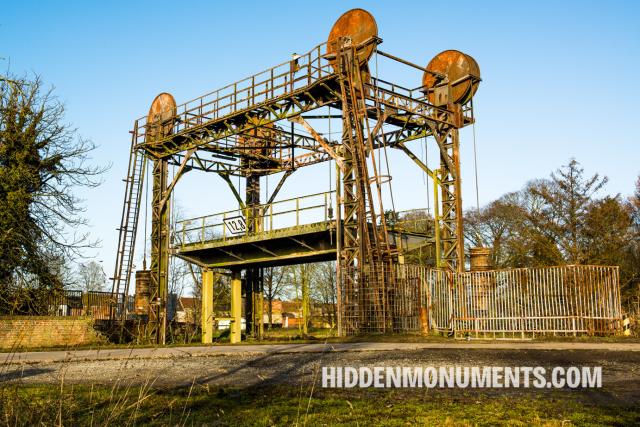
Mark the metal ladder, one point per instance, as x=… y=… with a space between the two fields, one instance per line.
x=128 y=229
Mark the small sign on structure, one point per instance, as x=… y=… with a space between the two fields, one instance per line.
x=235 y=225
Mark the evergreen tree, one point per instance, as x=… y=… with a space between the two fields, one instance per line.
x=567 y=198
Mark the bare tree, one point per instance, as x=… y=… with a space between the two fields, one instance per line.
x=91 y=277
x=505 y=226
x=323 y=291
x=274 y=286
x=180 y=277
x=298 y=287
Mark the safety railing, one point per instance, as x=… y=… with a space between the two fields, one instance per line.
x=68 y=302
x=411 y=100
x=279 y=81
x=267 y=220
x=565 y=299
x=411 y=221
x=514 y=303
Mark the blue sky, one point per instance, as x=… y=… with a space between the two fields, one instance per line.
x=559 y=80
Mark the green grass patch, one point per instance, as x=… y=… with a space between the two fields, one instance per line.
x=281 y=405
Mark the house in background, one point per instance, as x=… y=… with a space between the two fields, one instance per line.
x=276 y=318
x=285 y=314
x=187 y=310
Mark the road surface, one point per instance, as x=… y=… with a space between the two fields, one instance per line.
x=256 y=365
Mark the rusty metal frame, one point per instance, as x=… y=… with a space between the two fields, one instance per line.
x=159 y=252
x=207 y=134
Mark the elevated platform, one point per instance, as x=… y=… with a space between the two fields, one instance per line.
x=292 y=245
x=215 y=124
x=290 y=231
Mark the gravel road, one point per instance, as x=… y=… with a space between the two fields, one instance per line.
x=260 y=365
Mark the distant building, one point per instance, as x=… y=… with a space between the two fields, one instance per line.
x=187 y=310
x=285 y=314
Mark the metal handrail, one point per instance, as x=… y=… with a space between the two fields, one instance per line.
x=253 y=90
x=402 y=222
x=263 y=222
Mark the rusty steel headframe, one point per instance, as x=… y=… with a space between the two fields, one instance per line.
x=238 y=130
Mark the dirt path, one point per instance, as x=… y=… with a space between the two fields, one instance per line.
x=219 y=350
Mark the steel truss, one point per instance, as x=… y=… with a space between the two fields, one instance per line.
x=207 y=135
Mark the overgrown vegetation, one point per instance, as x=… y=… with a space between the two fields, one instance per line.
x=42 y=162
x=564 y=219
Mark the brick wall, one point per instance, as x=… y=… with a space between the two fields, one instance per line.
x=32 y=332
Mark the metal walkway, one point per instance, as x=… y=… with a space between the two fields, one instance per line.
x=290 y=231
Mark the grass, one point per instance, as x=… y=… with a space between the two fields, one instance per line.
x=280 y=405
x=126 y=404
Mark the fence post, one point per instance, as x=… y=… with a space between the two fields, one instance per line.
x=224 y=227
x=271 y=217
x=451 y=284
x=272 y=84
x=326 y=206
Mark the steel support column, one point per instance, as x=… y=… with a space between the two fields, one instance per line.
x=436 y=217
x=363 y=246
x=159 y=252
x=339 y=301
x=253 y=276
x=452 y=226
x=207 y=306
x=235 y=335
